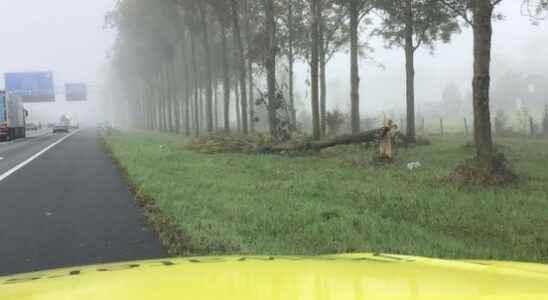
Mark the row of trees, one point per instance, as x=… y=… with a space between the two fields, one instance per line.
x=183 y=63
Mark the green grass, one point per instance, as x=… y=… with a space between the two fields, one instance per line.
x=338 y=202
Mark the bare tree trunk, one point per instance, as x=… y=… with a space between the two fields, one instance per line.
x=163 y=101
x=201 y=111
x=205 y=41
x=323 y=65
x=316 y=133
x=187 y=86
x=187 y=113
x=291 y=63
x=196 y=88
x=241 y=65
x=175 y=98
x=251 y=96
x=169 y=98
x=371 y=136
x=226 y=81
x=237 y=107
x=483 y=12
x=354 y=69
x=410 y=71
x=216 y=106
x=270 y=63
x=250 y=70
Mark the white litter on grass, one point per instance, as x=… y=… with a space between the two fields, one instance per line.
x=414 y=165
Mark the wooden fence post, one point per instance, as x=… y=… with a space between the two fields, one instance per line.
x=465 y=126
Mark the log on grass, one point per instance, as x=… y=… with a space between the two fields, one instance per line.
x=346 y=139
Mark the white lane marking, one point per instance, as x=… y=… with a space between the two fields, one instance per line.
x=35 y=156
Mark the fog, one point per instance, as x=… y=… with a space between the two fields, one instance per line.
x=67 y=38
x=517 y=45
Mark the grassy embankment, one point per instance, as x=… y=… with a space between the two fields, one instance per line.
x=338 y=202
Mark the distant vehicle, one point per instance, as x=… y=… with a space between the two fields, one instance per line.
x=61 y=127
x=12 y=117
x=32 y=126
x=74 y=124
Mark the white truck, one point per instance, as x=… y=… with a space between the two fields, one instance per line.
x=12 y=117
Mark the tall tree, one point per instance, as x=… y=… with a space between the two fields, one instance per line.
x=250 y=83
x=270 y=64
x=479 y=15
x=241 y=63
x=411 y=25
x=333 y=35
x=205 y=41
x=357 y=10
x=294 y=37
x=314 y=67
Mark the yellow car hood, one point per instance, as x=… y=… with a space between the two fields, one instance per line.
x=353 y=276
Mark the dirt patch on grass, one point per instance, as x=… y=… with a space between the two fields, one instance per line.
x=497 y=173
x=174 y=240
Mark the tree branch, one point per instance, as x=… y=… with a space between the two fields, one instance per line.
x=457 y=11
x=417 y=46
x=365 y=13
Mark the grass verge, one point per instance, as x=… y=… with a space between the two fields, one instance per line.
x=338 y=201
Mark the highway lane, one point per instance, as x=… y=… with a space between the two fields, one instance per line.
x=14 y=152
x=67 y=207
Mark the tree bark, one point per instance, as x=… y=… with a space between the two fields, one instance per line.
x=323 y=65
x=291 y=66
x=251 y=97
x=410 y=71
x=163 y=101
x=205 y=41
x=354 y=69
x=187 y=87
x=250 y=69
x=237 y=106
x=175 y=98
x=270 y=63
x=201 y=110
x=226 y=81
x=187 y=109
x=196 y=87
x=216 y=106
x=371 y=136
x=316 y=132
x=482 y=11
x=241 y=65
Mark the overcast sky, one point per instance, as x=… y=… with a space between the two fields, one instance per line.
x=63 y=36
x=67 y=37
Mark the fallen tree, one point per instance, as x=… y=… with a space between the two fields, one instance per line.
x=221 y=142
x=370 y=136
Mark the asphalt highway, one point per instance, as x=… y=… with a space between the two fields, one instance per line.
x=63 y=204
